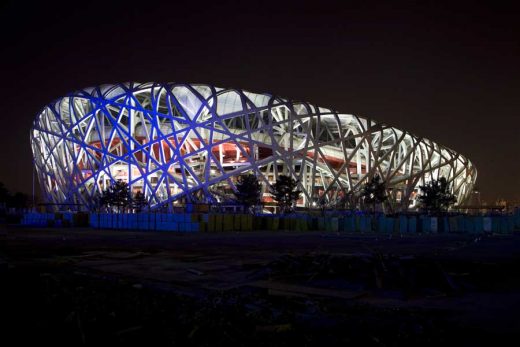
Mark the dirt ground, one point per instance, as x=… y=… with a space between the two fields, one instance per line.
x=86 y=287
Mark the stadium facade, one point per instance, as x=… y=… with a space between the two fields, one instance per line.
x=180 y=143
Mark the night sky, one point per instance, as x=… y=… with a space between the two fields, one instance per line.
x=450 y=73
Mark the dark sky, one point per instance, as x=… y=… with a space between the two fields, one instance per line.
x=448 y=72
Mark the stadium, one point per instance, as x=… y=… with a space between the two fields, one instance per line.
x=187 y=143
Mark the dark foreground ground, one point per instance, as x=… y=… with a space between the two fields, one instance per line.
x=92 y=287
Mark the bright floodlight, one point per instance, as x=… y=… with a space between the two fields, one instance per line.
x=188 y=143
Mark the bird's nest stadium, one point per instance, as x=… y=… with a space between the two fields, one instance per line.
x=187 y=143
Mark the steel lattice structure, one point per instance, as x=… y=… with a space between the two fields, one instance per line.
x=187 y=143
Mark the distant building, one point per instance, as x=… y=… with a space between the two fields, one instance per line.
x=182 y=143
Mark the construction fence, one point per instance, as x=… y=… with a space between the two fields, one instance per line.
x=225 y=222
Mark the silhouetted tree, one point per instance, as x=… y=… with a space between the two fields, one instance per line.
x=248 y=190
x=105 y=199
x=436 y=196
x=322 y=202
x=139 y=202
x=344 y=199
x=116 y=197
x=4 y=194
x=374 y=192
x=285 y=192
x=18 y=200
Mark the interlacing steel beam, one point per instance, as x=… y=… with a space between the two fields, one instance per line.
x=181 y=143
